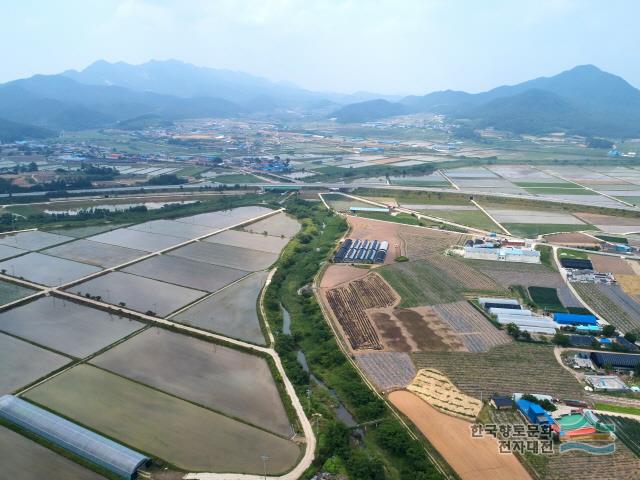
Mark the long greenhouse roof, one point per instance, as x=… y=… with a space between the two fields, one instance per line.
x=89 y=445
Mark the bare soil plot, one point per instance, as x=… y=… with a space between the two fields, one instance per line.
x=95 y=253
x=226 y=380
x=29 y=460
x=472 y=459
x=513 y=368
x=45 y=269
x=22 y=363
x=366 y=229
x=387 y=370
x=619 y=229
x=254 y=241
x=190 y=437
x=604 y=220
x=615 y=265
x=66 y=327
x=185 y=272
x=612 y=304
x=8 y=252
x=32 y=240
x=425 y=330
x=145 y=241
x=572 y=239
x=630 y=284
x=337 y=274
x=226 y=256
x=419 y=243
x=10 y=292
x=231 y=312
x=279 y=225
x=173 y=228
x=138 y=293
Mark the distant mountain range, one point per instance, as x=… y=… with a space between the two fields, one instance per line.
x=583 y=100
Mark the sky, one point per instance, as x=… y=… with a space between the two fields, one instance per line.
x=382 y=46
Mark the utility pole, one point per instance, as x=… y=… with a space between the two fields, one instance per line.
x=265 y=458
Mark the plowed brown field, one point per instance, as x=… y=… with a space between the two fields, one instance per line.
x=471 y=458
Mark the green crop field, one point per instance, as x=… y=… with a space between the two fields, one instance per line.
x=475 y=219
x=546 y=298
x=518 y=367
x=531 y=230
x=436 y=279
x=235 y=178
x=574 y=254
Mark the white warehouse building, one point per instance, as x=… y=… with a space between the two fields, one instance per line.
x=503 y=254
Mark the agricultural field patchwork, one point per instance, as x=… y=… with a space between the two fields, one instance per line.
x=225 y=380
x=10 y=292
x=231 y=312
x=387 y=370
x=611 y=303
x=138 y=293
x=31 y=461
x=188 y=436
x=65 y=326
x=437 y=279
x=279 y=225
x=226 y=256
x=32 y=240
x=8 y=252
x=348 y=304
x=419 y=243
x=137 y=240
x=22 y=363
x=173 y=228
x=254 y=241
x=95 y=253
x=45 y=269
x=513 y=368
x=471 y=327
x=185 y=272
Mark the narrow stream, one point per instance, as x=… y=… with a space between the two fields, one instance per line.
x=341 y=411
x=286 y=321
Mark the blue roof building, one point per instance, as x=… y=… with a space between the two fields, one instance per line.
x=575 y=319
x=534 y=413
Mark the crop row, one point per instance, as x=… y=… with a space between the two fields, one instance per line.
x=513 y=368
x=605 y=306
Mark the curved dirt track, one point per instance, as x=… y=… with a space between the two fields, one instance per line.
x=471 y=458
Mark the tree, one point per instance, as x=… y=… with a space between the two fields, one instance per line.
x=561 y=340
x=513 y=330
x=631 y=337
x=608 y=330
